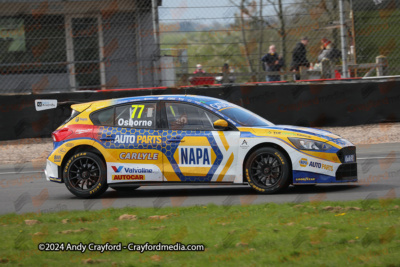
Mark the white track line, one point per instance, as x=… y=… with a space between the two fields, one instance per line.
x=20 y=172
x=381 y=158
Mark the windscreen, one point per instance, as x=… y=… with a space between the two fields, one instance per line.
x=240 y=115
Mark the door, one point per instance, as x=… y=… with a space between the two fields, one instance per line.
x=194 y=151
x=132 y=144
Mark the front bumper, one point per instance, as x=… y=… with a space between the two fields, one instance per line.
x=51 y=172
x=346 y=173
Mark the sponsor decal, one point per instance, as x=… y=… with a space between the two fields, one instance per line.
x=132 y=139
x=349 y=158
x=138 y=156
x=69 y=144
x=131 y=170
x=81 y=119
x=148 y=139
x=45 y=104
x=220 y=105
x=290 y=134
x=192 y=156
x=321 y=166
x=244 y=144
x=62 y=150
x=305 y=179
x=123 y=139
x=57 y=158
x=83 y=131
x=303 y=162
x=128 y=177
x=117 y=169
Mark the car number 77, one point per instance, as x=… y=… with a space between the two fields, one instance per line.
x=135 y=107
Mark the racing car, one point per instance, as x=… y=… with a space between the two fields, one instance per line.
x=189 y=140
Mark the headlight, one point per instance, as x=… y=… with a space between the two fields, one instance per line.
x=307 y=144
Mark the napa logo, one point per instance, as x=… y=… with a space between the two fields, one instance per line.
x=194 y=156
x=303 y=162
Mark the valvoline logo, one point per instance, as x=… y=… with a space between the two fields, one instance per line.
x=117 y=170
x=131 y=170
x=195 y=156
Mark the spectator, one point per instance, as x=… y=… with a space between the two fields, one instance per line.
x=199 y=69
x=299 y=56
x=227 y=73
x=329 y=51
x=272 y=62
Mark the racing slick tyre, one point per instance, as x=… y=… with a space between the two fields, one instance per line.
x=85 y=175
x=125 y=189
x=267 y=170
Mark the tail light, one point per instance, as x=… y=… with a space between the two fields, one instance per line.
x=61 y=134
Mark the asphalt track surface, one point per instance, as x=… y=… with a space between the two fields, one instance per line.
x=24 y=189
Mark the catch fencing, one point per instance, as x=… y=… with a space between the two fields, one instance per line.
x=64 y=46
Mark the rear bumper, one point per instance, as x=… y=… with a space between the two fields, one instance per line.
x=51 y=172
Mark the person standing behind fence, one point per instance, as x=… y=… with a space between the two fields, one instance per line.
x=272 y=62
x=329 y=51
x=199 y=69
x=299 y=56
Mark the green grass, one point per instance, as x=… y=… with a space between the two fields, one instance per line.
x=312 y=233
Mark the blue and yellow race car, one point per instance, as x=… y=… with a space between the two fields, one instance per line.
x=176 y=139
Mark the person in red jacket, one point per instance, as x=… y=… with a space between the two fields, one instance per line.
x=199 y=69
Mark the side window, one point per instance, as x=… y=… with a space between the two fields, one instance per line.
x=103 y=117
x=188 y=117
x=136 y=115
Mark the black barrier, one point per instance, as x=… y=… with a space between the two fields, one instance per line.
x=315 y=105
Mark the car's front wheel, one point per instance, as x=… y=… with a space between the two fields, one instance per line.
x=267 y=170
x=85 y=175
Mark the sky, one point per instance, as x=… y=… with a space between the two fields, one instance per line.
x=203 y=11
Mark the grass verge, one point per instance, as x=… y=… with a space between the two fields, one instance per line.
x=323 y=233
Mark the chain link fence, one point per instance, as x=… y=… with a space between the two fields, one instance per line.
x=60 y=46
x=240 y=32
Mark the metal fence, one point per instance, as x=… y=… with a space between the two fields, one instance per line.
x=50 y=46
x=54 y=46
x=240 y=32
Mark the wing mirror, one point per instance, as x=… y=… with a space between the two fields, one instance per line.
x=220 y=124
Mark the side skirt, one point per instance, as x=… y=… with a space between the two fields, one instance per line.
x=170 y=184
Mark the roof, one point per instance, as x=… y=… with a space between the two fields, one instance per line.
x=185 y=98
x=200 y=100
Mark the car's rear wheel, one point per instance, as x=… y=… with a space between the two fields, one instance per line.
x=85 y=175
x=267 y=170
x=125 y=189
